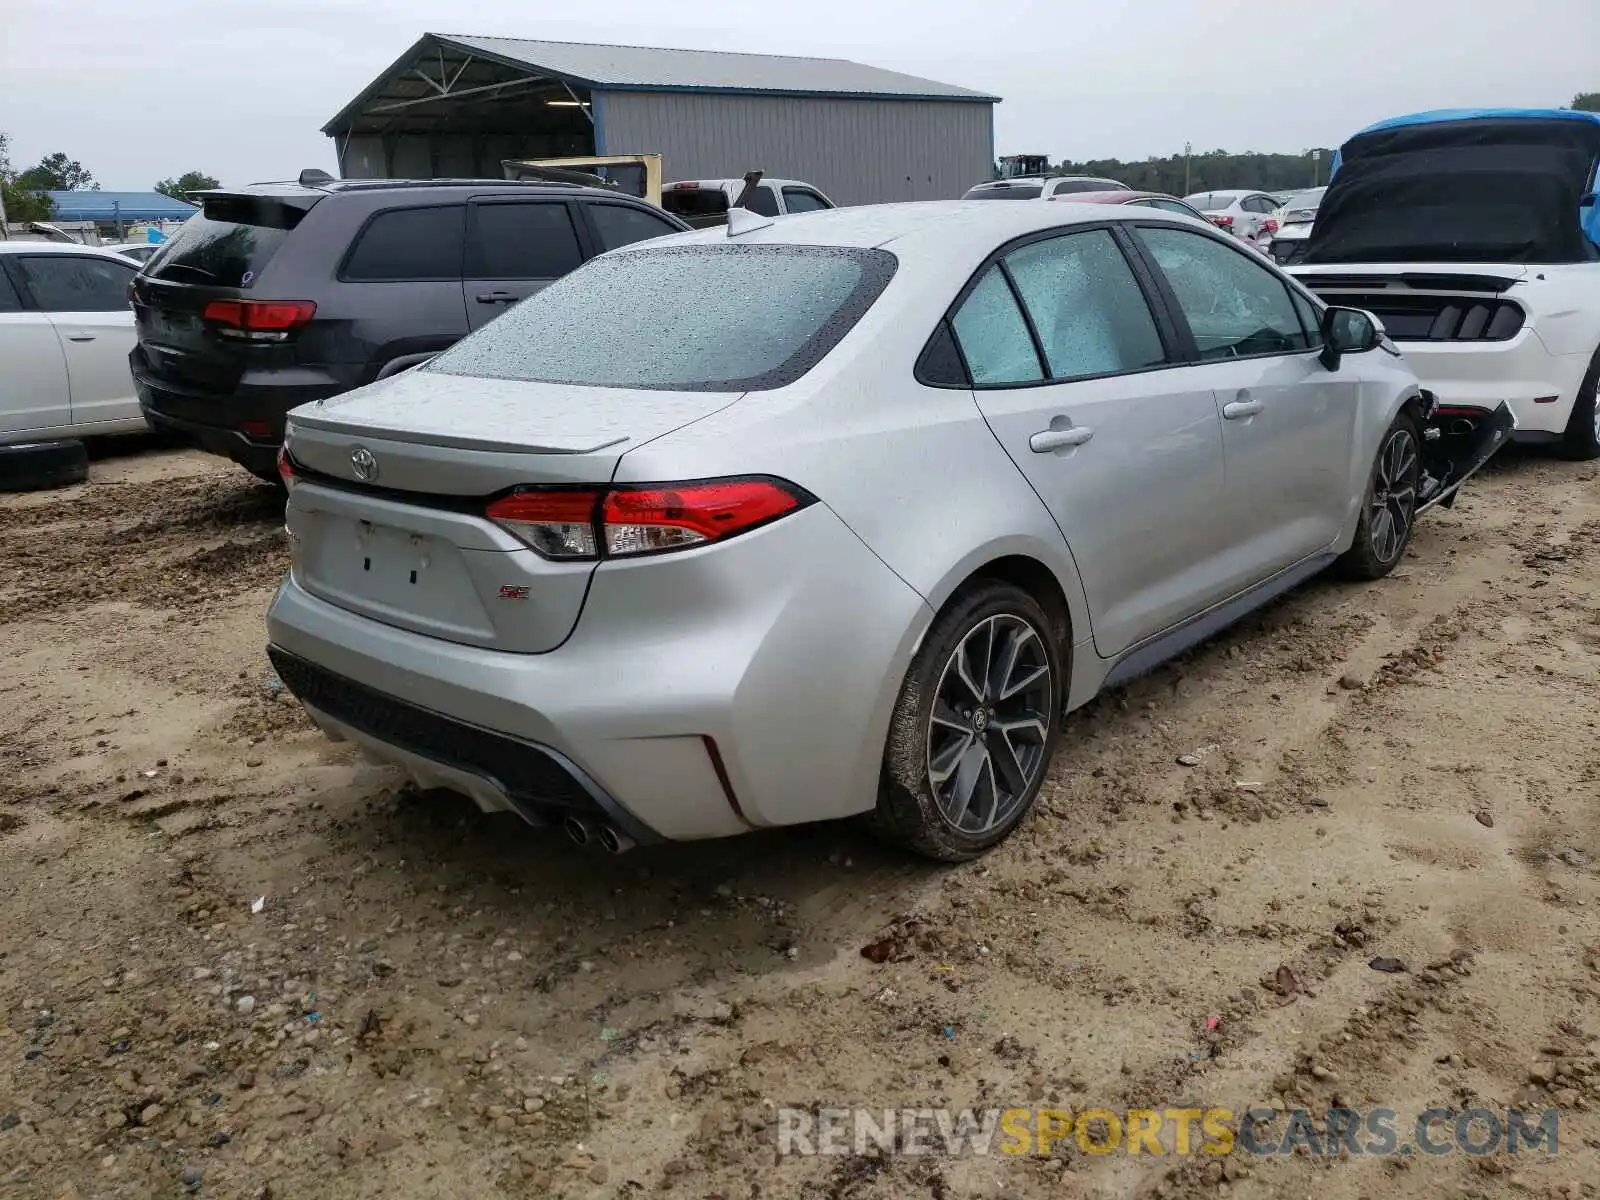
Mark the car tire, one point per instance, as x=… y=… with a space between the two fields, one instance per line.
x=956 y=783
x=1581 y=440
x=40 y=466
x=1388 y=504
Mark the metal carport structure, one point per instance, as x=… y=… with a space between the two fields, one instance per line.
x=456 y=105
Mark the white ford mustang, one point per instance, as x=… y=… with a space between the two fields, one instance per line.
x=1474 y=236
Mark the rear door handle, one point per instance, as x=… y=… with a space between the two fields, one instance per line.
x=80 y=337
x=495 y=298
x=1241 y=408
x=1047 y=440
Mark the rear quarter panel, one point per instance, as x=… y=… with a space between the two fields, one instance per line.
x=1563 y=306
x=913 y=471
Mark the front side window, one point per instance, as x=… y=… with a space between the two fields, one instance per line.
x=994 y=335
x=1087 y=307
x=523 y=241
x=707 y=318
x=1235 y=307
x=69 y=283
x=799 y=200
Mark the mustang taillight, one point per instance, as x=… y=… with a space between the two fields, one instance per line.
x=621 y=522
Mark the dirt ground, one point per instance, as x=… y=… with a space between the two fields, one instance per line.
x=435 y=1003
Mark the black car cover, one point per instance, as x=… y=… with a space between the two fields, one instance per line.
x=1503 y=189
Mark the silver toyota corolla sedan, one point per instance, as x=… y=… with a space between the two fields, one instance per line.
x=836 y=514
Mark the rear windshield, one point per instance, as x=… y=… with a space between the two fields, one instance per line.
x=228 y=243
x=1212 y=201
x=1013 y=191
x=1073 y=186
x=681 y=318
x=695 y=202
x=1305 y=199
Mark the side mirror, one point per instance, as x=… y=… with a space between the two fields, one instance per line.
x=1348 y=331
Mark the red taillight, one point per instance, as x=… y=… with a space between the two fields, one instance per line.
x=274 y=318
x=1225 y=222
x=621 y=522
x=1270 y=225
x=285 y=468
x=678 y=187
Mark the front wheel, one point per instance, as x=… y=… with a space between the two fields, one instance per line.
x=1581 y=441
x=1389 y=508
x=974 y=727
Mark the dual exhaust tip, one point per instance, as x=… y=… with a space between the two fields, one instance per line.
x=581 y=833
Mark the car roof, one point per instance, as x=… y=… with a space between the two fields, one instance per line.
x=976 y=226
x=14 y=247
x=292 y=189
x=706 y=181
x=1120 y=196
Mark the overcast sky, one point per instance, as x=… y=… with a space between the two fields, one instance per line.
x=141 y=91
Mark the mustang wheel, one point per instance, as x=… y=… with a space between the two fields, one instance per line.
x=974 y=727
x=1581 y=441
x=1390 y=507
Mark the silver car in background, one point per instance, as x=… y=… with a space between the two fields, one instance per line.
x=835 y=514
x=1245 y=214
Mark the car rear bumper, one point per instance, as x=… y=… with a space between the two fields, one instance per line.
x=701 y=694
x=1540 y=387
x=245 y=424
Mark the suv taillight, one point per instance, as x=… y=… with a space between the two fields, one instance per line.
x=257 y=320
x=622 y=522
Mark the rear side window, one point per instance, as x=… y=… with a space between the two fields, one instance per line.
x=994 y=334
x=1088 y=309
x=695 y=202
x=523 y=241
x=703 y=318
x=228 y=243
x=798 y=200
x=68 y=283
x=409 y=244
x=623 y=224
x=9 y=300
x=1079 y=185
x=765 y=201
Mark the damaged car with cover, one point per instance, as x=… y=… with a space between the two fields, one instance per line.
x=1474 y=236
x=836 y=515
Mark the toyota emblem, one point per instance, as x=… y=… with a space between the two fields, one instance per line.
x=364 y=463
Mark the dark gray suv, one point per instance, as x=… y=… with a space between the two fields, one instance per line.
x=277 y=294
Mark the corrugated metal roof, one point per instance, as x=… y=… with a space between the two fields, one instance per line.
x=112 y=206
x=650 y=68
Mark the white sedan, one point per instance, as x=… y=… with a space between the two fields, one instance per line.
x=65 y=334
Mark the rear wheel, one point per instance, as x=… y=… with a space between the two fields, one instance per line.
x=1389 y=509
x=1581 y=441
x=974 y=726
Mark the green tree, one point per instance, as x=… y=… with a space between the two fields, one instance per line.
x=58 y=173
x=1587 y=102
x=20 y=202
x=189 y=181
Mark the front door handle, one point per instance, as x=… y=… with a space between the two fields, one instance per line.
x=1047 y=440
x=80 y=337
x=495 y=298
x=1241 y=408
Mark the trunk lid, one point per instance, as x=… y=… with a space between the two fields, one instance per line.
x=387 y=519
x=220 y=253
